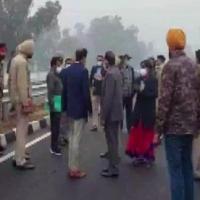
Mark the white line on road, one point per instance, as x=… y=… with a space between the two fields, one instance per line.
x=35 y=141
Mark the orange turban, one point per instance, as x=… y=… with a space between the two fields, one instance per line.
x=176 y=39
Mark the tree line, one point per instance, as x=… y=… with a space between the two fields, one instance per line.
x=104 y=33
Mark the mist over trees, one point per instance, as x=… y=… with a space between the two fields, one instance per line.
x=105 y=33
x=17 y=24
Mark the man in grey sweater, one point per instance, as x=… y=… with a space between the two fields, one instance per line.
x=112 y=112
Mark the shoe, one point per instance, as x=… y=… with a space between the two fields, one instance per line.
x=27 y=158
x=77 y=174
x=109 y=174
x=56 y=153
x=94 y=129
x=104 y=155
x=25 y=166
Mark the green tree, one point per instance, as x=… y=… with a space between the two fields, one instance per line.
x=108 y=33
x=17 y=24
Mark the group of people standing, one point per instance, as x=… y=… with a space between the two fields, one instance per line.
x=166 y=103
x=162 y=100
x=110 y=90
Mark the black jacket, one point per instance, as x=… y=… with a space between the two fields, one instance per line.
x=145 y=107
x=96 y=84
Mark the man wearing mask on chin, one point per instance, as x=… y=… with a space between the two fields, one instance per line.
x=21 y=98
x=2 y=57
x=96 y=79
x=55 y=87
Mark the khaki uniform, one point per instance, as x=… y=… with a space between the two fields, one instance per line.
x=20 y=92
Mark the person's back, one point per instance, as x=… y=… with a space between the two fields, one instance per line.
x=14 y=81
x=77 y=104
x=77 y=95
x=182 y=116
x=113 y=104
x=178 y=115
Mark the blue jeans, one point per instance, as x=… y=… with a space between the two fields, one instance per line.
x=179 y=157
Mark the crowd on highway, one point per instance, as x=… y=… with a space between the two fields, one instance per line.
x=161 y=100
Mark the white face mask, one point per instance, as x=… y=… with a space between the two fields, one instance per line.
x=67 y=65
x=143 y=72
x=58 y=70
x=99 y=63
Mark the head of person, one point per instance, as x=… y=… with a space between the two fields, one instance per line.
x=152 y=61
x=81 y=55
x=109 y=59
x=125 y=59
x=147 y=68
x=56 y=63
x=26 y=48
x=60 y=61
x=68 y=61
x=2 y=51
x=160 y=60
x=198 y=56
x=100 y=60
x=176 y=40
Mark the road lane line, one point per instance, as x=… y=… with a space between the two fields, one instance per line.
x=35 y=141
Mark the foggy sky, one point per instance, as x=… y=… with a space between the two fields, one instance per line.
x=152 y=17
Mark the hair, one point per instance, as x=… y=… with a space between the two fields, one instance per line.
x=99 y=57
x=142 y=64
x=55 y=59
x=147 y=64
x=81 y=54
x=161 y=57
x=198 y=56
x=68 y=60
x=110 y=57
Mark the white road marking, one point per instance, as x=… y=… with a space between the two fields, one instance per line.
x=35 y=141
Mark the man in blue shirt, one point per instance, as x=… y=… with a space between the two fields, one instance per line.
x=77 y=104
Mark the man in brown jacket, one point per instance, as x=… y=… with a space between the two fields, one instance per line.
x=178 y=113
x=20 y=95
x=196 y=143
x=112 y=112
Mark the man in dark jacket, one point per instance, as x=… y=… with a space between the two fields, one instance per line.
x=54 y=87
x=128 y=87
x=77 y=104
x=178 y=113
x=112 y=112
x=96 y=79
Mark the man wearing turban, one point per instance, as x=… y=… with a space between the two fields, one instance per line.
x=178 y=112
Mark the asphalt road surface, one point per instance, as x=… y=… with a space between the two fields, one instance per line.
x=49 y=180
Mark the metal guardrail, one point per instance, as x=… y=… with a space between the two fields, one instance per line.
x=38 y=90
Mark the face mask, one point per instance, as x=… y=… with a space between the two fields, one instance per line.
x=58 y=70
x=67 y=65
x=143 y=72
x=99 y=63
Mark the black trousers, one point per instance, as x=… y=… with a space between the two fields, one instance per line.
x=128 y=106
x=112 y=139
x=55 y=118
